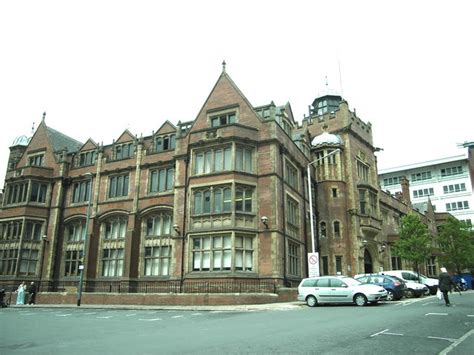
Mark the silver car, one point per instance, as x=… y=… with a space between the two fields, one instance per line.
x=338 y=289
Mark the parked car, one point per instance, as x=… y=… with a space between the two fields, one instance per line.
x=413 y=289
x=395 y=287
x=407 y=275
x=338 y=289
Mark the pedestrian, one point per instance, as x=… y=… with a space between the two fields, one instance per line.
x=20 y=297
x=444 y=283
x=32 y=292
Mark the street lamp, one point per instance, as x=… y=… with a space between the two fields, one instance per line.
x=313 y=249
x=86 y=229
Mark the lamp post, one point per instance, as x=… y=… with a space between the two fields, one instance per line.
x=86 y=230
x=313 y=247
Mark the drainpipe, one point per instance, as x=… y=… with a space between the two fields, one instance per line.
x=282 y=149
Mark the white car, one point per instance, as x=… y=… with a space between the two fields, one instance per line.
x=338 y=289
x=411 y=276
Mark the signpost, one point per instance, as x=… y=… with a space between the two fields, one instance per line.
x=313 y=264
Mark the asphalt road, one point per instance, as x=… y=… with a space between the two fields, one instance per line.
x=423 y=326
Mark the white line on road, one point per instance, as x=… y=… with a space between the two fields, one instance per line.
x=381 y=332
x=26 y=314
x=470 y=315
x=150 y=319
x=448 y=339
x=64 y=315
x=89 y=313
x=436 y=314
x=105 y=317
x=457 y=342
x=177 y=317
x=393 y=334
x=130 y=315
x=196 y=314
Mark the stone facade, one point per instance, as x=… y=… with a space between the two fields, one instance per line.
x=219 y=204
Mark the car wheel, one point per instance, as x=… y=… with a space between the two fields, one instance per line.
x=409 y=293
x=390 y=296
x=360 y=299
x=311 y=301
x=427 y=292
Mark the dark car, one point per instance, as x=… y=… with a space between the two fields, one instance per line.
x=395 y=288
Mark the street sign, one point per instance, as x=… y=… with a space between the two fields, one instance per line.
x=313 y=264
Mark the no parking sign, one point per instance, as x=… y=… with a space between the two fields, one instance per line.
x=313 y=264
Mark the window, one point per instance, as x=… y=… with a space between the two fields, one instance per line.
x=362 y=202
x=118 y=186
x=292 y=217
x=423 y=192
x=291 y=175
x=392 y=181
x=362 y=171
x=223 y=119
x=449 y=189
x=425 y=175
x=213 y=200
x=161 y=180
x=338 y=264
x=76 y=231
x=28 y=261
x=81 y=191
x=115 y=228
x=10 y=230
x=72 y=261
x=8 y=259
x=16 y=193
x=368 y=207
x=124 y=151
x=158 y=225
x=457 y=170
x=243 y=159
x=167 y=142
x=457 y=206
x=325 y=262
x=218 y=253
x=213 y=160
x=112 y=262
x=38 y=192
x=157 y=261
x=36 y=160
x=396 y=263
x=87 y=158
x=334 y=192
x=431 y=266
x=243 y=199
x=293 y=259
x=337 y=229
x=33 y=230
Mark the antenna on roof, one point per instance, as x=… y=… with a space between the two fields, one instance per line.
x=33 y=128
x=223 y=66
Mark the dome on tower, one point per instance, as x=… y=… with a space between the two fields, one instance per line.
x=21 y=140
x=327 y=140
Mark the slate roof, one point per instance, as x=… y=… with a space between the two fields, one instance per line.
x=59 y=141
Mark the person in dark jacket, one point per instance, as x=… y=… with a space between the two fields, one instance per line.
x=32 y=292
x=445 y=283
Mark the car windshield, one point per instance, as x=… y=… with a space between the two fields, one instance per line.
x=351 y=282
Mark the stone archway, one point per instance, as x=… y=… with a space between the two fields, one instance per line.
x=368 y=265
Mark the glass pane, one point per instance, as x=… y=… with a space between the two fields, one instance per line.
x=165 y=266
x=227 y=159
x=248 y=261
x=217 y=259
x=239 y=242
x=148 y=267
x=207 y=202
x=206 y=260
x=198 y=203
x=208 y=161
x=206 y=243
x=199 y=163
x=197 y=260
x=248 y=243
x=162 y=180
x=238 y=259
x=167 y=225
x=218 y=201
x=218 y=164
x=156 y=266
x=217 y=242
x=227 y=260
x=239 y=159
x=227 y=242
x=227 y=200
x=248 y=160
x=170 y=179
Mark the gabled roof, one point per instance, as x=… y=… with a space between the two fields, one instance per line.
x=59 y=141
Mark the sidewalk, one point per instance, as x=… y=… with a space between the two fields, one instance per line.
x=284 y=306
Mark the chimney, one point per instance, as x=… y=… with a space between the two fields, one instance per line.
x=405 y=190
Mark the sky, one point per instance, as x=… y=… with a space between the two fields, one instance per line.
x=99 y=67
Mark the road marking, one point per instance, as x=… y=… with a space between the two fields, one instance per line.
x=381 y=332
x=130 y=315
x=470 y=315
x=63 y=315
x=26 y=314
x=448 y=339
x=104 y=317
x=196 y=314
x=457 y=342
x=436 y=314
x=177 y=317
x=398 y=334
x=426 y=304
x=150 y=319
x=89 y=313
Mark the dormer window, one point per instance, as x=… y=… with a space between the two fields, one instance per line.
x=164 y=143
x=223 y=119
x=87 y=158
x=124 y=151
x=36 y=160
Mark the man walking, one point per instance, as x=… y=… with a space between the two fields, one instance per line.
x=32 y=292
x=445 y=283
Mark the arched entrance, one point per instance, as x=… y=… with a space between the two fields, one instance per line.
x=368 y=267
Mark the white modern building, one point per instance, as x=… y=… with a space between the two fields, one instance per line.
x=447 y=182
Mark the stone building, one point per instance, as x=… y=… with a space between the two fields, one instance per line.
x=216 y=204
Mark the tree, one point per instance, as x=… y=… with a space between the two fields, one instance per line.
x=456 y=244
x=415 y=241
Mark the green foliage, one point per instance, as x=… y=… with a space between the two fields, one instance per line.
x=415 y=241
x=456 y=244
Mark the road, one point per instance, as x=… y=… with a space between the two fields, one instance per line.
x=422 y=326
